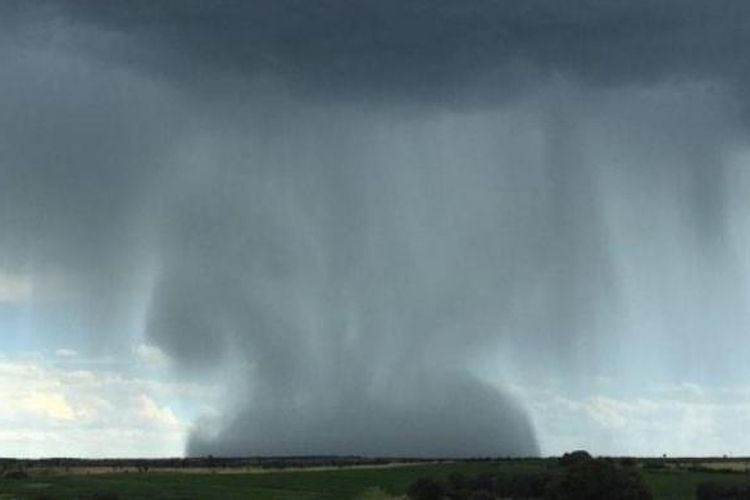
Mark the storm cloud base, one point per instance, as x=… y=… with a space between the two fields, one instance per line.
x=440 y=415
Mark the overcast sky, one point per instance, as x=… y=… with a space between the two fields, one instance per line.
x=392 y=227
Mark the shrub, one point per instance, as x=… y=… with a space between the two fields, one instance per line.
x=596 y=480
x=482 y=483
x=575 y=458
x=16 y=474
x=529 y=485
x=715 y=491
x=458 y=487
x=427 y=489
x=707 y=491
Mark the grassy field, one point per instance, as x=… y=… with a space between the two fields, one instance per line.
x=341 y=484
x=345 y=483
x=680 y=484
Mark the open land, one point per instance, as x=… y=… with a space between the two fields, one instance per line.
x=321 y=478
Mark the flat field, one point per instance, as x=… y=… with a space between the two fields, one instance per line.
x=673 y=480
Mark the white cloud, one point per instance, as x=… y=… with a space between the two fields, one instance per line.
x=681 y=420
x=50 y=405
x=49 y=409
x=152 y=357
x=153 y=414
x=609 y=413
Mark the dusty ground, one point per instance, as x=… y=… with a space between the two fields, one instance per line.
x=736 y=466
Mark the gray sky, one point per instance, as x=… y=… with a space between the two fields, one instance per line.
x=375 y=227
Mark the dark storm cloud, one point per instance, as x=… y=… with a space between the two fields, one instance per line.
x=440 y=49
x=433 y=414
x=309 y=263
x=340 y=259
x=79 y=147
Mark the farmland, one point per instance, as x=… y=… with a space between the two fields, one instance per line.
x=667 y=479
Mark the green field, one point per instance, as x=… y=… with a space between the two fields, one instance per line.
x=346 y=483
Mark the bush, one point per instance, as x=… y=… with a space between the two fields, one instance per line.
x=427 y=489
x=708 y=491
x=482 y=483
x=458 y=487
x=575 y=458
x=598 y=480
x=529 y=485
x=582 y=479
x=16 y=474
x=715 y=491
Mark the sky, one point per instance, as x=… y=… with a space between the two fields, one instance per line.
x=393 y=227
